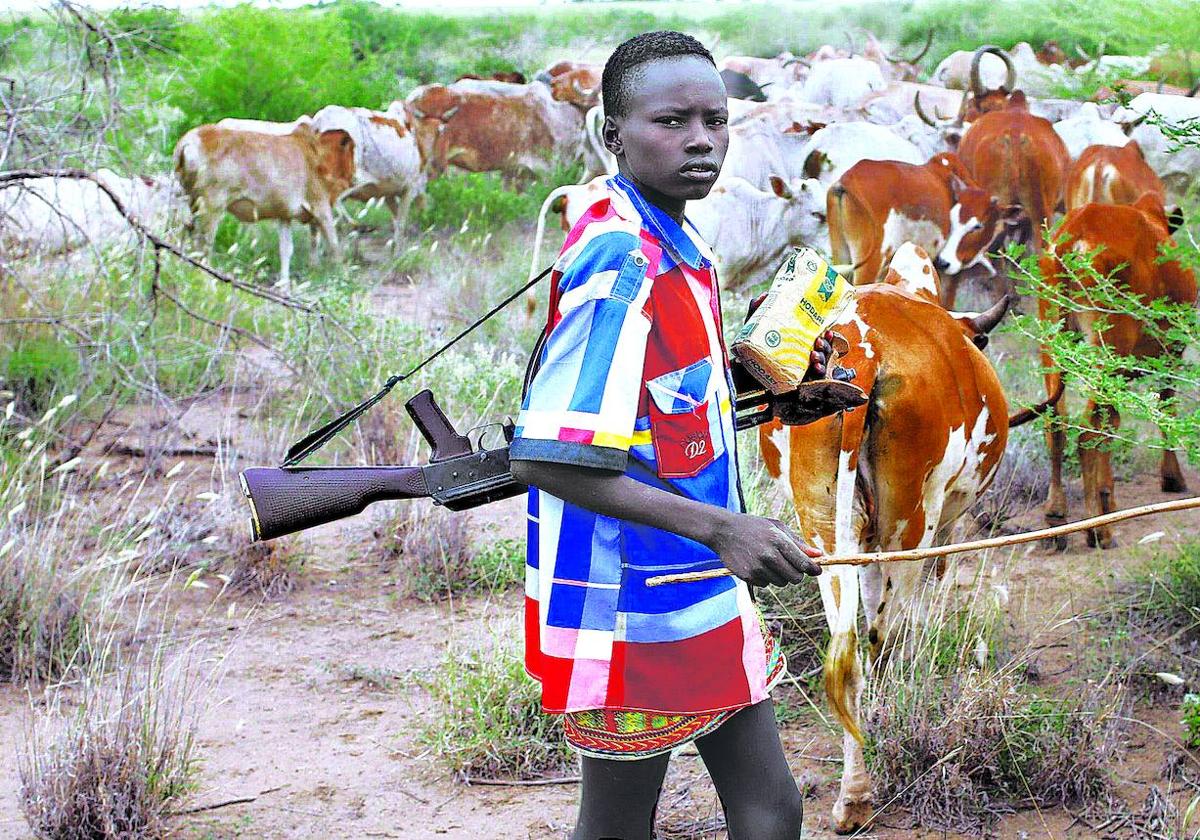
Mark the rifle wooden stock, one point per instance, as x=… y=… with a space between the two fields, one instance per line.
x=285 y=500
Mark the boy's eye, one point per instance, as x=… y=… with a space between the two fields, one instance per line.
x=718 y=121
x=669 y=121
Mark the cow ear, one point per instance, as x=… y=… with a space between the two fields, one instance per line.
x=1175 y=218
x=780 y=187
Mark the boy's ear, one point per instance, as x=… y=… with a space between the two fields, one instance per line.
x=611 y=135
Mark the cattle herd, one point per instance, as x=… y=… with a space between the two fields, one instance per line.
x=909 y=186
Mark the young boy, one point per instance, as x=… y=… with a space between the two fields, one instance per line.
x=626 y=439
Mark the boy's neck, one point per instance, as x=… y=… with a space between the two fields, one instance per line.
x=673 y=207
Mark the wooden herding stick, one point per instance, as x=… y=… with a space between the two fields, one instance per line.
x=958 y=548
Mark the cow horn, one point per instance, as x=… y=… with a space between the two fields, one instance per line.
x=918 y=56
x=417 y=112
x=1010 y=78
x=986 y=321
x=1082 y=54
x=449 y=115
x=1130 y=126
x=1195 y=89
x=925 y=117
x=797 y=60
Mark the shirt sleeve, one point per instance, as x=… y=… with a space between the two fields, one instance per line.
x=582 y=403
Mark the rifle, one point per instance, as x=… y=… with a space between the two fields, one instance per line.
x=287 y=499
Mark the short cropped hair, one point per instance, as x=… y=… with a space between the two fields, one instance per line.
x=649 y=46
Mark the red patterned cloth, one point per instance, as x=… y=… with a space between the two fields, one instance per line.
x=628 y=735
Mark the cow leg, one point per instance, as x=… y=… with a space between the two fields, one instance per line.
x=285 y=254
x=398 y=205
x=1056 y=440
x=1096 y=464
x=324 y=221
x=843 y=662
x=1172 y=476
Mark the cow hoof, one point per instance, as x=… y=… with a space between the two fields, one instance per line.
x=1101 y=539
x=849 y=817
x=1174 y=484
x=1055 y=544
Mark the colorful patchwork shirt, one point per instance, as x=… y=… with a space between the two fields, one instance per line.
x=634 y=377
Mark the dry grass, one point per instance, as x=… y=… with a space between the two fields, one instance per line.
x=958 y=736
x=114 y=754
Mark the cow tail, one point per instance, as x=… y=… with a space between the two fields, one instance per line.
x=843 y=669
x=1026 y=414
x=186 y=169
x=835 y=213
x=531 y=296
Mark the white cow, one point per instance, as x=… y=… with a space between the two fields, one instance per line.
x=748 y=228
x=835 y=148
x=387 y=161
x=842 y=82
x=54 y=215
x=1089 y=128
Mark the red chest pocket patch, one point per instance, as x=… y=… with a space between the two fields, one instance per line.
x=679 y=424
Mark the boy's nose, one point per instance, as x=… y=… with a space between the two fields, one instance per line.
x=699 y=142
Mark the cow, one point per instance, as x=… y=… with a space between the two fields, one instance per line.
x=1111 y=175
x=832 y=150
x=896 y=473
x=387 y=159
x=1177 y=166
x=842 y=82
x=293 y=177
x=494 y=126
x=899 y=99
x=513 y=77
x=579 y=86
x=895 y=69
x=1088 y=128
x=967 y=70
x=566 y=65
x=782 y=71
x=1127 y=240
x=749 y=229
x=877 y=207
x=55 y=215
x=1019 y=159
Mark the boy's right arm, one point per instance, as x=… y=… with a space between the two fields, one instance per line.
x=758 y=550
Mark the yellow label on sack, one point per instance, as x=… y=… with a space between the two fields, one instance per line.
x=805 y=296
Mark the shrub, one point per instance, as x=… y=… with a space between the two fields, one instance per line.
x=117 y=764
x=433 y=553
x=38 y=369
x=1190 y=708
x=301 y=61
x=488 y=721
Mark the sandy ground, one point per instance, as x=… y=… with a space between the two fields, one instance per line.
x=323 y=755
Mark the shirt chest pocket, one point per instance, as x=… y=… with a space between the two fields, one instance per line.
x=682 y=420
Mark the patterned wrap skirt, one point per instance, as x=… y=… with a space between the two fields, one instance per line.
x=627 y=735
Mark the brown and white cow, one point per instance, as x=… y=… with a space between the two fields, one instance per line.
x=894 y=474
x=1111 y=175
x=1130 y=238
x=291 y=177
x=579 y=86
x=483 y=126
x=878 y=205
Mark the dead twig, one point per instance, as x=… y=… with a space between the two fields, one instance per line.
x=565 y=780
x=240 y=800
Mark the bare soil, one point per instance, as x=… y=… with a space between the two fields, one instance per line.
x=298 y=743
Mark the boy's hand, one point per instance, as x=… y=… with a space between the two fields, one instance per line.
x=763 y=551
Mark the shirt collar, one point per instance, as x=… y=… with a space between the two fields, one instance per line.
x=683 y=242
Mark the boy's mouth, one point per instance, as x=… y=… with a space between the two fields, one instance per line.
x=699 y=170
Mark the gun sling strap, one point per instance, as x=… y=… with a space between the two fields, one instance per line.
x=317 y=438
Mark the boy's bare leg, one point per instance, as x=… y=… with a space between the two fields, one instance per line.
x=746 y=761
x=618 y=798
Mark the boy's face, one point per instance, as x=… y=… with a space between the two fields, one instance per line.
x=672 y=140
